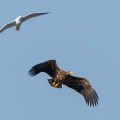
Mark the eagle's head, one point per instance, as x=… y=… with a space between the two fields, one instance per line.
x=69 y=72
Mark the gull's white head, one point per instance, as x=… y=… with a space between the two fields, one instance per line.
x=18 y=18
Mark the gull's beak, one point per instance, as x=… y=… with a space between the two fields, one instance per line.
x=71 y=72
x=19 y=18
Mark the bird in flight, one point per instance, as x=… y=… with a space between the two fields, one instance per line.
x=59 y=77
x=17 y=22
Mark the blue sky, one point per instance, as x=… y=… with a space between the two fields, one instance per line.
x=83 y=36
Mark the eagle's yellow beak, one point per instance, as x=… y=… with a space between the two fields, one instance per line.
x=19 y=18
x=71 y=72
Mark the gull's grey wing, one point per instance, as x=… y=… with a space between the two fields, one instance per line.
x=32 y=15
x=11 y=24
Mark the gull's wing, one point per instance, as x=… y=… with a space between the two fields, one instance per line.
x=83 y=86
x=32 y=15
x=11 y=24
x=50 y=67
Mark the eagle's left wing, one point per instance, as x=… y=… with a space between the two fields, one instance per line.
x=83 y=86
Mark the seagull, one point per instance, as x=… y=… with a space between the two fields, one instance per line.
x=17 y=22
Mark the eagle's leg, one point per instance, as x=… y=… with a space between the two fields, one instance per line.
x=54 y=84
x=57 y=85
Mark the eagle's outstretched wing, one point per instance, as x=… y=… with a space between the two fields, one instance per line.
x=83 y=86
x=50 y=67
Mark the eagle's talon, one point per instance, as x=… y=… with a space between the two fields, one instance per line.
x=56 y=85
x=53 y=83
